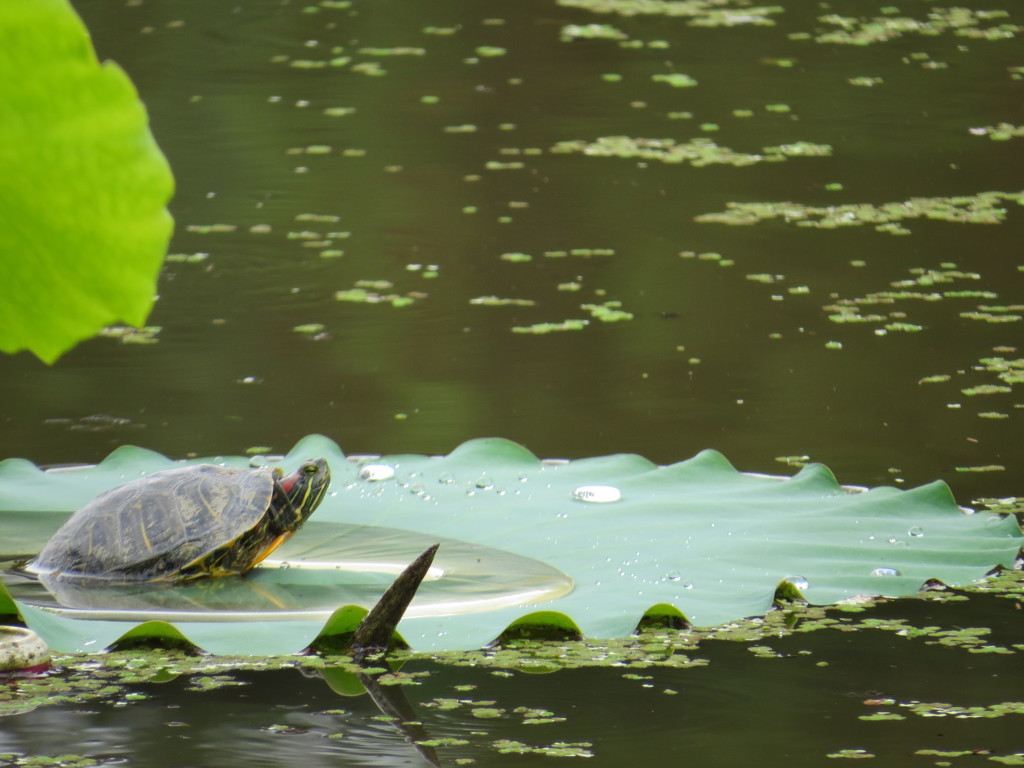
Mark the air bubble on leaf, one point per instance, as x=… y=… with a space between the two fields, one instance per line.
x=917 y=531
x=673 y=576
x=446 y=478
x=484 y=483
x=885 y=572
x=376 y=472
x=597 y=494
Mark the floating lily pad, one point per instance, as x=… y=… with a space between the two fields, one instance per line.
x=697 y=538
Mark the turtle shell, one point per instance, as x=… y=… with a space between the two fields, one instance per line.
x=160 y=526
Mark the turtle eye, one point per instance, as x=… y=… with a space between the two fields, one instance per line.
x=310 y=468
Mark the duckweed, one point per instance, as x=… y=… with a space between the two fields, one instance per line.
x=494 y=301
x=985 y=389
x=591 y=32
x=609 y=312
x=558 y=749
x=961 y=22
x=702 y=13
x=675 y=79
x=983 y=208
x=129 y=335
x=360 y=295
x=542 y=328
x=697 y=152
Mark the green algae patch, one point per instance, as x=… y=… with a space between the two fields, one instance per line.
x=558 y=749
x=697 y=152
x=985 y=389
x=516 y=258
x=494 y=301
x=698 y=13
x=956 y=21
x=851 y=754
x=147 y=334
x=675 y=79
x=117 y=676
x=608 y=312
x=370 y=292
x=982 y=208
x=545 y=328
x=591 y=32
x=999 y=132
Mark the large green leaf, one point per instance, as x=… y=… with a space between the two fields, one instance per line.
x=697 y=537
x=83 y=186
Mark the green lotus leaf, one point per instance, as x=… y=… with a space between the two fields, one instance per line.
x=83 y=186
x=589 y=546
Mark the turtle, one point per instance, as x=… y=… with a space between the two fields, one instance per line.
x=184 y=523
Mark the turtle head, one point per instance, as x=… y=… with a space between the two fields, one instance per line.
x=298 y=494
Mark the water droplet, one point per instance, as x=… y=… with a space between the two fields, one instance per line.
x=916 y=531
x=258 y=461
x=376 y=472
x=687 y=585
x=798 y=581
x=674 y=576
x=284 y=564
x=446 y=478
x=885 y=572
x=597 y=494
x=484 y=483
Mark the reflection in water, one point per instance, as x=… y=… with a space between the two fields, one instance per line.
x=340 y=565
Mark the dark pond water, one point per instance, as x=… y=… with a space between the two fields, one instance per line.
x=419 y=152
